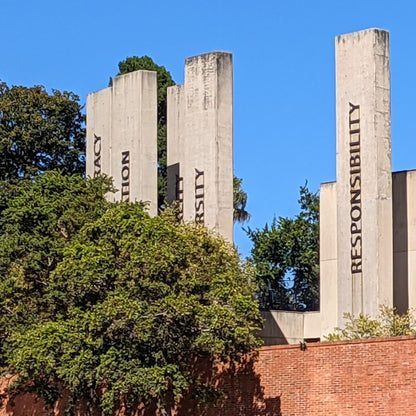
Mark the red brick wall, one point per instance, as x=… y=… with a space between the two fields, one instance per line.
x=370 y=378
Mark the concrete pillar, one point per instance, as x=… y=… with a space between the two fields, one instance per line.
x=400 y=242
x=328 y=257
x=176 y=148
x=123 y=120
x=98 y=133
x=411 y=232
x=364 y=184
x=200 y=142
x=404 y=239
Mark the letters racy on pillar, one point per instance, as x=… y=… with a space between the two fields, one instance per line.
x=122 y=136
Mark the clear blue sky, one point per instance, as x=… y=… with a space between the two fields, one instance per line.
x=284 y=96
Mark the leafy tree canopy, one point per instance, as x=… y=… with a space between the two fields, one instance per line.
x=39 y=132
x=164 y=80
x=101 y=296
x=286 y=258
x=40 y=221
x=241 y=215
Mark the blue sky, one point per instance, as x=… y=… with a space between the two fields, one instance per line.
x=283 y=51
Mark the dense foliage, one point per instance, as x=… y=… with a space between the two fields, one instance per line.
x=387 y=324
x=112 y=304
x=39 y=132
x=99 y=298
x=286 y=258
x=41 y=219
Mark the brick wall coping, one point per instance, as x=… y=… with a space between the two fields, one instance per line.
x=328 y=344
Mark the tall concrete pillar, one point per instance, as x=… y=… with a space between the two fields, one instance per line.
x=364 y=180
x=98 y=133
x=200 y=142
x=176 y=148
x=122 y=136
x=328 y=257
x=411 y=238
x=404 y=240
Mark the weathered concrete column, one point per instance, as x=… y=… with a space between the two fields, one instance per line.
x=328 y=257
x=176 y=148
x=200 y=142
x=404 y=239
x=98 y=133
x=411 y=238
x=364 y=184
x=122 y=136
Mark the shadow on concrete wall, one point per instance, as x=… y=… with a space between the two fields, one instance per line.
x=271 y=333
x=400 y=242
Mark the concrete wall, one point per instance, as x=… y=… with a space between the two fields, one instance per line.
x=200 y=142
x=364 y=185
x=287 y=327
x=312 y=325
x=122 y=136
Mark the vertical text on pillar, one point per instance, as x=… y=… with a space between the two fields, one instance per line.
x=355 y=188
x=125 y=176
x=179 y=195
x=199 y=196
x=97 y=155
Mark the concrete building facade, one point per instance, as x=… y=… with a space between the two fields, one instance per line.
x=122 y=140
x=368 y=215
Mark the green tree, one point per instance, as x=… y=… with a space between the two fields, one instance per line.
x=286 y=258
x=387 y=324
x=240 y=200
x=164 y=80
x=42 y=218
x=96 y=295
x=40 y=132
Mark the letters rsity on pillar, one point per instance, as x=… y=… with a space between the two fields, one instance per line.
x=122 y=136
x=200 y=143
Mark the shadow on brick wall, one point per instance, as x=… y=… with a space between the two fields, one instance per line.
x=243 y=395
x=243 y=392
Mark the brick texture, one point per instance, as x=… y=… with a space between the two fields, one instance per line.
x=371 y=378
